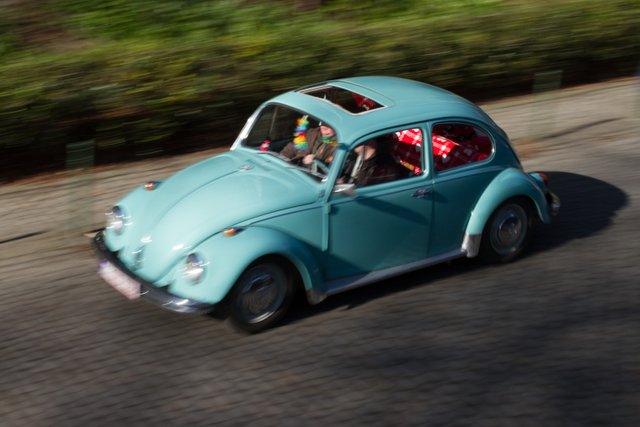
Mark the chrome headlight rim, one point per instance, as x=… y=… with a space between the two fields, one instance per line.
x=116 y=220
x=194 y=268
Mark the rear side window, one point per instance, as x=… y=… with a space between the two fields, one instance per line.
x=458 y=144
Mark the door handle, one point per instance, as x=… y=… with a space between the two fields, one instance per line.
x=421 y=193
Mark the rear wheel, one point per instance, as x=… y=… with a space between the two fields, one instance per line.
x=260 y=297
x=507 y=232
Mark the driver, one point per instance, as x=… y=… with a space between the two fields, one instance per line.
x=311 y=144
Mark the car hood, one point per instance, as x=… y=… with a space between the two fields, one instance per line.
x=202 y=200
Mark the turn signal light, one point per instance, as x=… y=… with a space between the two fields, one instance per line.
x=231 y=231
x=151 y=185
x=544 y=177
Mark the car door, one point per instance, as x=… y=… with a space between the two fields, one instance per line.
x=386 y=223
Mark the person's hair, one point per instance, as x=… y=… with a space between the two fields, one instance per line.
x=384 y=145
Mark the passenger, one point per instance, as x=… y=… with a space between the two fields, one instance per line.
x=311 y=144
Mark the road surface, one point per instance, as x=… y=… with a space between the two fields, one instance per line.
x=550 y=340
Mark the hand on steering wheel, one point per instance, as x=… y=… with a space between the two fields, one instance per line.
x=315 y=164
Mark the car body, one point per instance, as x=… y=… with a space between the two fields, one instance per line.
x=238 y=233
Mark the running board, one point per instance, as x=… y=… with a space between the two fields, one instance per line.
x=352 y=282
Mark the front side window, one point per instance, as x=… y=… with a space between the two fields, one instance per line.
x=459 y=144
x=389 y=157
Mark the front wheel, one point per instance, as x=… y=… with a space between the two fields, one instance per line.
x=260 y=297
x=507 y=232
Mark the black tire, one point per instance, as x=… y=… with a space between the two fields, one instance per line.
x=260 y=297
x=507 y=231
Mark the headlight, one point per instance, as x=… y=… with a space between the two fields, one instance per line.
x=194 y=268
x=116 y=220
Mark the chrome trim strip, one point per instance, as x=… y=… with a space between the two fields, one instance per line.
x=345 y=284
x=471 y=244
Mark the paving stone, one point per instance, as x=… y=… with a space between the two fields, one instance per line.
x=552 y=339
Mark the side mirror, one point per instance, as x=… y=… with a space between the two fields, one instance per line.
x=346 y=189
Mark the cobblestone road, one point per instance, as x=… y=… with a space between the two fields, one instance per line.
x=550 y=340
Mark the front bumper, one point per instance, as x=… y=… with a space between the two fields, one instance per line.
x=155 y=295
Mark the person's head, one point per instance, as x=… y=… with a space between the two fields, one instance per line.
x=327 y=131
x=367 y=149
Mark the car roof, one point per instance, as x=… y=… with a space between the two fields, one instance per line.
x=402 y=102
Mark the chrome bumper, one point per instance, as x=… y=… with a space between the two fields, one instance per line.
x=155 y=295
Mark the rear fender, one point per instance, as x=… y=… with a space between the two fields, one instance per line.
x=509 y=183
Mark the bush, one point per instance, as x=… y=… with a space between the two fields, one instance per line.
x=146 y=77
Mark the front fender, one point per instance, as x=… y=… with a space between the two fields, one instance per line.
x=509 y=183
x=227 y=257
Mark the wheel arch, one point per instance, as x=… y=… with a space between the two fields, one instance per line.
x=286 y=263
x=508 y=184
x=229 y=257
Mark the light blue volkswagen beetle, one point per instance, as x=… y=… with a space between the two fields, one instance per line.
x=327 y=187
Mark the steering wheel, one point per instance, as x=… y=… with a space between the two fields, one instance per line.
x=318 y=164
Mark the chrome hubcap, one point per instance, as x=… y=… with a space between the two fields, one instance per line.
x=262 y=293
x=509 y=229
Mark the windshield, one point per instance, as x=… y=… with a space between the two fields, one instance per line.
x=297 y=138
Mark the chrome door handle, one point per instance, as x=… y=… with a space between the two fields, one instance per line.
x=421 y=193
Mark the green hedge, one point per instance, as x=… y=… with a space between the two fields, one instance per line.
x=144 y=77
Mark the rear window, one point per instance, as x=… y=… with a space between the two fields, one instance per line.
x=351 y=101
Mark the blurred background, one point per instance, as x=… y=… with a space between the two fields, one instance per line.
x=550 y=340
x=92 y=82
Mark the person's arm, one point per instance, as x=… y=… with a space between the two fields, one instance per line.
x=289 y=151
x=313 y=137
